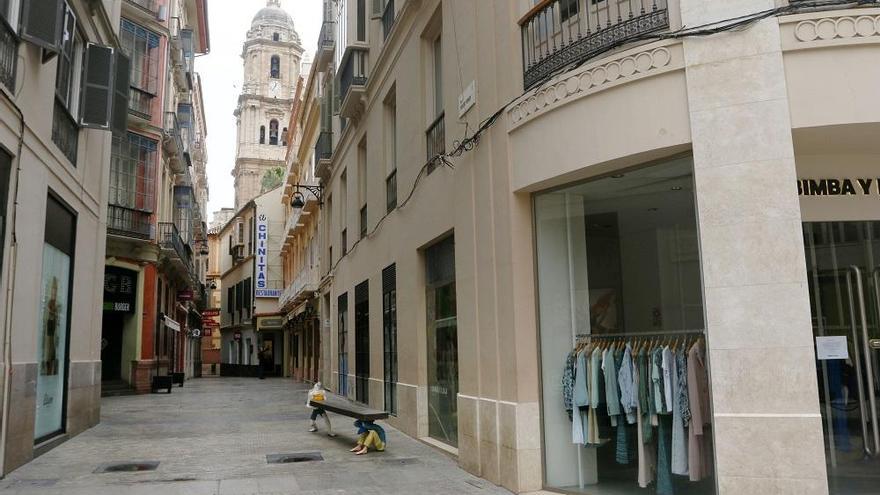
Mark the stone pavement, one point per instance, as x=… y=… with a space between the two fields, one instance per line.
x=212 y=436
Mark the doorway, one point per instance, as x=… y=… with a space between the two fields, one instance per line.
x=111 y=346
x=843 y=270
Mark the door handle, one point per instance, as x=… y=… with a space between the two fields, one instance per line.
x=869 y=367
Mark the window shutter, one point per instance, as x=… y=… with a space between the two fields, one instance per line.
x=41 y=22
x=121 y=93
x=97 y=87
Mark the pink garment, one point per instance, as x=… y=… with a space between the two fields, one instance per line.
x=699 y=450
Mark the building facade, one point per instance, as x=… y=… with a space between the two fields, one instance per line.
x=156 y=234
x=250 y=281
x=675 y=176
x=272 y=54
x=54 y=162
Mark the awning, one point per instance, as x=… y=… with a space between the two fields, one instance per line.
x=170 y=323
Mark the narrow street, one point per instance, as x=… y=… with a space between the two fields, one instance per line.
x=213 y=437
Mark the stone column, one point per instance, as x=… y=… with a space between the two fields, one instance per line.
x=767 y=426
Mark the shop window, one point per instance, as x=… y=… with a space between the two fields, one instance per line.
x=442 y=326
x=619 y=276
x=53 y=323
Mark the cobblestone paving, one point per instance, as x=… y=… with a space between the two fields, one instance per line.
x=212 y=437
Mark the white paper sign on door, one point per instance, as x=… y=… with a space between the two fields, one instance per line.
x=831 y=348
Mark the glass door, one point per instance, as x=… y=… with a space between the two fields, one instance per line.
x=843 y=270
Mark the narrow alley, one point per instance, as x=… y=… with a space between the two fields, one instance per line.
x=213 y=436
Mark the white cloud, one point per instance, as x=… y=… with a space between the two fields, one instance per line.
x=221 y=72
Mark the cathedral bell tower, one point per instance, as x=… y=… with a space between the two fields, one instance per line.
x=272 y=53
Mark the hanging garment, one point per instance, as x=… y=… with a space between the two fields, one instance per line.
x=679 y=411
x=699 y=455
x=644 y=391
x=612 y=400
x=623 y=453
x=580 y=400
x=643 y=446
x=568 y=381
x=664 y=455
x=595 y=379
x=625 y=375
x=668 y=382
x=657 y=380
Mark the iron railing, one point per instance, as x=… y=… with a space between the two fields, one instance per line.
x=169 y=238
x=129 y=223
x=327 y=38
x=324 y=146
x=140 y=103
x=354 y=71
x=65 y=132
x=435 y=138
x=559 y=33
x=391 y=191
x=8 y=55
x=388 y=18
x=172 y=129
x=148 y=5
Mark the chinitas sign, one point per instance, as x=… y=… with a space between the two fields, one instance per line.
x=261 y=287
x=838 y=187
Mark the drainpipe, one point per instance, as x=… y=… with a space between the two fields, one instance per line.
x=10 y=290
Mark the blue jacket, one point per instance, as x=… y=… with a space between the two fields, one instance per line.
x=365 y=426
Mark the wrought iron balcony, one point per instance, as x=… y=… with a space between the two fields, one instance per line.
x=324 y=146
x=559 y=33
x=435 y=138
x=326 y=45
x=140 y=103
x=65 y=132
x=127 y=222
x=151 y=6
x=352 y=80
x=388 y=18
x=173 y=143
x=170 y=240
x=8 y=55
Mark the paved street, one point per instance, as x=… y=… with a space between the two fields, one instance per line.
x=213 y=436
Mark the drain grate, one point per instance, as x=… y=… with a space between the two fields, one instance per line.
x=295 y=457
x=127 y=467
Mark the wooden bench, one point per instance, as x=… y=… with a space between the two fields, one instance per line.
x=340 y=405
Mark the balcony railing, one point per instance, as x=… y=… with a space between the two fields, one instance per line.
x=129 y=223
x=140 y=103
x=324 y=146
x=151 y=6
x=8 y=55
x=354 y=71
x=327 y=37
x=174 y=142
x=388 y=18
x=559 y=33
x=65 y=132
x=169 y=238
x=435 y=138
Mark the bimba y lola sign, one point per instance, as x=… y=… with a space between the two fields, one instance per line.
x=838 y=187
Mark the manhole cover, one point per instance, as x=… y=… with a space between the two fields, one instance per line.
x=296 y=457
x=127 y=467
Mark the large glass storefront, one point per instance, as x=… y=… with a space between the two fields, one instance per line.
x=625 y=392
x=442 y=327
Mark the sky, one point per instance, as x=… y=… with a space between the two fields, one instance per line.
x=222 y=74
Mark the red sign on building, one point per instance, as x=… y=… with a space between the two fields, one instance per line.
x=210 y=313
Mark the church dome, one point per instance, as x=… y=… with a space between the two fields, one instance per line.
x=272 y=13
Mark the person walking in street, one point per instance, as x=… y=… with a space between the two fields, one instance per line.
x=317 y=394
x=265 y=359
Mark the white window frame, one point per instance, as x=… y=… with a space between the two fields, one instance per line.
x=70 y=101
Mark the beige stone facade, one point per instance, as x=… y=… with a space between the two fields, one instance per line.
x=734 y=119
x=272 y=54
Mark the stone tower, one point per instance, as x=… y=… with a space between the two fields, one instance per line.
x=272 y=54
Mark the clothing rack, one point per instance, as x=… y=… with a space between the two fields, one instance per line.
x=638 y=334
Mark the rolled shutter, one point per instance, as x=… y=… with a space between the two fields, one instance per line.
x=97 y=94
x=41 y=22
x=121 y=94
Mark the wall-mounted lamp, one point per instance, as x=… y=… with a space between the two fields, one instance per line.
x=298 y=201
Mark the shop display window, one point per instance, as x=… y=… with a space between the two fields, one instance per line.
x=625 y=391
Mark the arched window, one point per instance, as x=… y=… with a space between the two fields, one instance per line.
x=276 y=37
x=284 y=137
x=275 y=70
x=273 y=132
x=262 y=134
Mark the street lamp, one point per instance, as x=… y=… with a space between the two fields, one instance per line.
x=298 y=201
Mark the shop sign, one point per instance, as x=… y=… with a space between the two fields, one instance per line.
x=838 y=187
x=208 y=322
x=170 y=323
x=207 y=332
x=261 y=287
x=185 y=295
x=272 y=323
x=120 y=287
x=211 y=312
x=236 y=336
